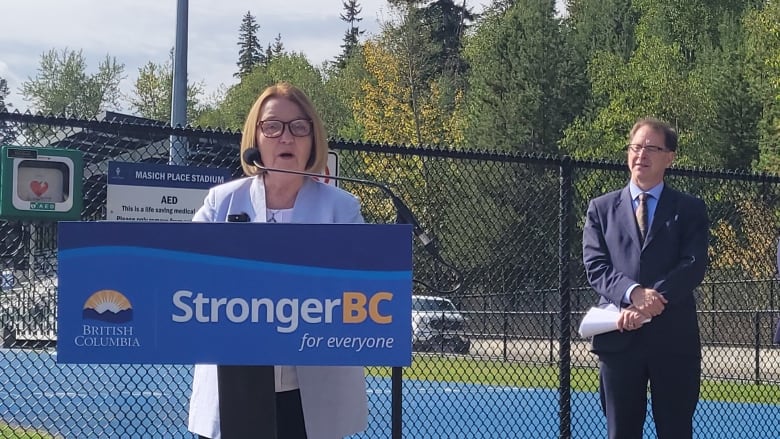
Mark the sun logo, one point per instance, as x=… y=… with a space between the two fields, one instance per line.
x=108 y=306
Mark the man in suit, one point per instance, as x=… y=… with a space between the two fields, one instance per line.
x=645 y=251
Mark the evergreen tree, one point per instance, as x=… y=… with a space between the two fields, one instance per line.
x=607 y=25
x=278 y=48
x=351 y=11
x=250 y=53
x=446 y=24
x=517 y=83
x=269 y=55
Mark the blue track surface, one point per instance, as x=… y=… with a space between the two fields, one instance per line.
x=107 y=401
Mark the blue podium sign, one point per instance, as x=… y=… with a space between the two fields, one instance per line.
x=234 y=293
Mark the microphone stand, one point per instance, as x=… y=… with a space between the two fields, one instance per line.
x=404 y=215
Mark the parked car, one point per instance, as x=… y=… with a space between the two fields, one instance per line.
x=438 y=326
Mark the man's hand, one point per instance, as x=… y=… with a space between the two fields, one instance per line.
x=648 y=301
x=630 y=319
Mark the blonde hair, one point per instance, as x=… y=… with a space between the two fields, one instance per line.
x=319 y=146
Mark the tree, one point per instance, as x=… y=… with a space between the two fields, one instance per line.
x=62 y=85
x=278 y=48
x=4 y=92
x=763 y=74
x=250 y=53
x=389 y=112
x=517 y=85
x=447 y=23
x=690 y=77
x=153 y=93
x=293 y=68
x=7 y=132
x=607 y=25
x=406 y=45
x=351 y=43
x=730 y=128
x=275 y=50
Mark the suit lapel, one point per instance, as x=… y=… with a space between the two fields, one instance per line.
x=663 y=211
x=624 y=209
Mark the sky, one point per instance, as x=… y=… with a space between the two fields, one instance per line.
x=138 y=31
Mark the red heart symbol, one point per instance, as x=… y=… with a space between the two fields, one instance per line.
x=39 y=187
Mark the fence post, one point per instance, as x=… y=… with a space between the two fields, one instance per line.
x=713 y=312
x=758 y=346
x=564 y=285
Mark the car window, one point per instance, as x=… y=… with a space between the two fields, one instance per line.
x=419 y=304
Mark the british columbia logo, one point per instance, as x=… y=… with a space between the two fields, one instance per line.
x=108 y=306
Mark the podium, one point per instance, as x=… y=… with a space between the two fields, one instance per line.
x=326 y=294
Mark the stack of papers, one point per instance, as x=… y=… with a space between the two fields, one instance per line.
x=600 y=320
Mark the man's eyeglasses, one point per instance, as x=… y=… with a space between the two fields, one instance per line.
x=275 y=128
x=634 y=147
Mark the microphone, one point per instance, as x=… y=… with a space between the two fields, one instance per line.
x=404 y=215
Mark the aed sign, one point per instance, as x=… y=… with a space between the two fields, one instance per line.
x=185 y=293
x=155 y=192
x=40 y=183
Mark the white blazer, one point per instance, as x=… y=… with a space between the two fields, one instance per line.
x=333 y=398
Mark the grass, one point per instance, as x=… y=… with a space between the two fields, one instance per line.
x=500 y=373
x=6 y=431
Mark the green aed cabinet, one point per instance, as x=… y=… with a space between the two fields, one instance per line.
x=40 y=183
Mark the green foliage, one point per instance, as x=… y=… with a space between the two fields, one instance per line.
x=63 y=86
x=7 y=132
x=699 y=88
x=293 y=68
x=602 y=26
x=515 y=96
x=340 y=87
x=154 y=90
x=3 y=94
x=762 y=73
x=729 y=127
x=446 y=24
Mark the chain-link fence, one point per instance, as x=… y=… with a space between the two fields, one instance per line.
x=510 y=224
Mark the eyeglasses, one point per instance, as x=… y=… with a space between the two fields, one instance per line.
x=634 y=147
x=275 y=128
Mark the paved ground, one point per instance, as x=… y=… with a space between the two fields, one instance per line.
x=717 y=362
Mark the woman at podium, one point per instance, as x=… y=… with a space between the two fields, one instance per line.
x=283 y=133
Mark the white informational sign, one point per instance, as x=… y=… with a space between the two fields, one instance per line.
x=152 y=192
x=332 y=168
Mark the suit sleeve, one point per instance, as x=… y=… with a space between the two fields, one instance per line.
x=688 y=272
x=351 y=211
x=602 y=275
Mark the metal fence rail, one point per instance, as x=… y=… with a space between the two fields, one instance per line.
x=510 y=223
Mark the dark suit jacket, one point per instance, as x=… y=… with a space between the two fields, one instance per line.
x=672 y=260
